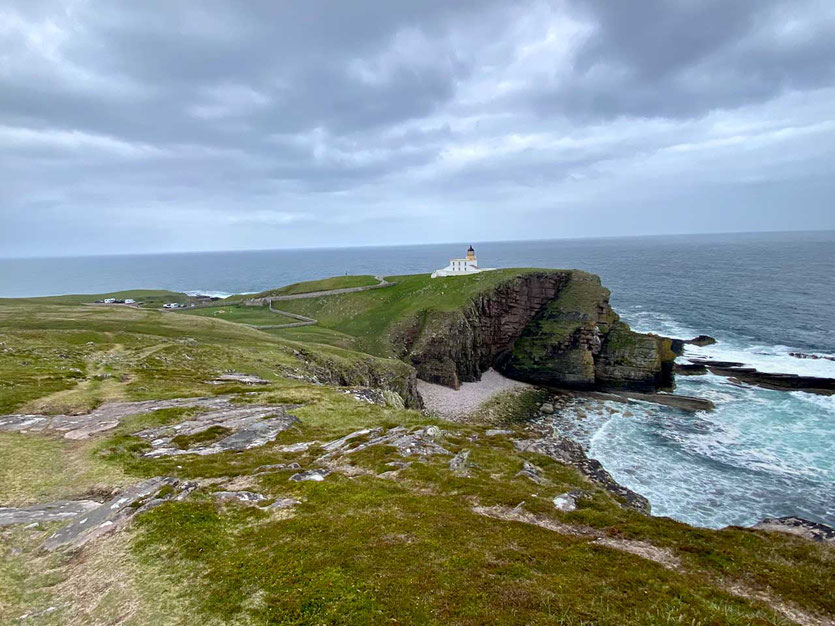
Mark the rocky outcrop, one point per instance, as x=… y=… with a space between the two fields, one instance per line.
x=800 y=527
x=571 y=453
x=631 y=360
x=389 y=376
x=779 y=382
x=552 y=328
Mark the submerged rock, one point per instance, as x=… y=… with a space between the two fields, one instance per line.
x=779 y=382
x=690 y=369
x=701 y=340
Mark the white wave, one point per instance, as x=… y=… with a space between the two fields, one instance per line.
x=211 y=294
x=774 y=359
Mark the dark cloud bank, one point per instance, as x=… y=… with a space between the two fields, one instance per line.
x=166 y=125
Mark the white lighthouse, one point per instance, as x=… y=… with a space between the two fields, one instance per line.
x=461 y=267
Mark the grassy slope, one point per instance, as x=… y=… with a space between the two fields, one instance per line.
x=371 y=315
x=241 y=314
x=149 y=297
x=357 y=550
x=324 y=284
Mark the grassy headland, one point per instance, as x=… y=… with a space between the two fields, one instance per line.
x=363 y=546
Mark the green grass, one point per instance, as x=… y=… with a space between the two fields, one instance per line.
x=242 y=314
x=38 y=468
x=316 y=335
x=324 y=284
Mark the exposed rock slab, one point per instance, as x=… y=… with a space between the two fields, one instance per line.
x=49 y=512
x=251 y=426
x=315 y=475
x=237 y=377
x=247 y=497
x=567 y=502
x=571 y=453
x=105 y=417
x=115 y=513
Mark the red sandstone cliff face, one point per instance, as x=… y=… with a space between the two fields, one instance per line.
x=453 y=347
x=552 y=328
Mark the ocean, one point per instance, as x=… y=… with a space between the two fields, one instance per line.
x=760 y=453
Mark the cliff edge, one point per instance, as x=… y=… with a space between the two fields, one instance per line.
x=548 y=327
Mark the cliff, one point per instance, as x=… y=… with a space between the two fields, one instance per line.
x=552 y=328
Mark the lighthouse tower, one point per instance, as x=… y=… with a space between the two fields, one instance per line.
x=460 y=267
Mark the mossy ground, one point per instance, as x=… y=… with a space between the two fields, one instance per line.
x=241 y=314
x=359 y=548
x=324 y=284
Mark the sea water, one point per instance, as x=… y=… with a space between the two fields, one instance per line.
x=760 y=453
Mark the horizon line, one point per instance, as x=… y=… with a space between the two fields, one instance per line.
x=402 y=244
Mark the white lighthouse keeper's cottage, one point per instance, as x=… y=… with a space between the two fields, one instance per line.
x=461 y=267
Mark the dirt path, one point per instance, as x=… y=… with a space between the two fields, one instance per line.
x=308 y=321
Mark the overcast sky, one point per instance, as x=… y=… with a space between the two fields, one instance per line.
x=133 y=126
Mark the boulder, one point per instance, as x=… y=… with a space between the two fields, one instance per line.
x=567 y=502
x=532 y=472
x=701 y=340
x=460 y=464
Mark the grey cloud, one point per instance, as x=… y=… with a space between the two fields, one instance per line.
x=264 y=124
x=686 y=58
